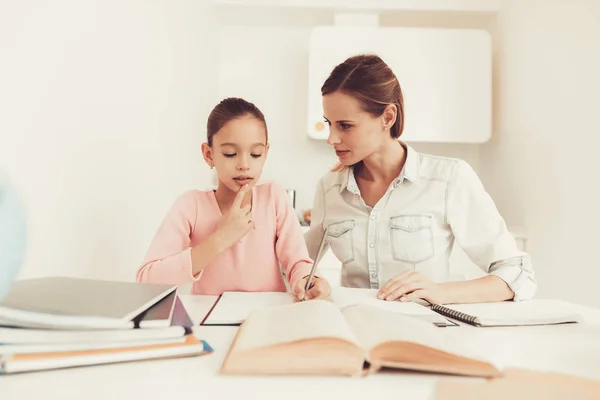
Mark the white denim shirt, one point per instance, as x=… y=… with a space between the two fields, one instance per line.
x=433 y=203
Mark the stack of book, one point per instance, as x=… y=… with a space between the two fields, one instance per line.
x=61 y=322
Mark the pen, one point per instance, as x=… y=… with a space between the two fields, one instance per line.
x=309 y=283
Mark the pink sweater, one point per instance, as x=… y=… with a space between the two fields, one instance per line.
x=251 y=265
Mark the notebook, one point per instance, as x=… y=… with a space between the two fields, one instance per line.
x=6 y=349
x=319 y=338
x=26 y=341
x=159 y=315
x=232 y=308
x=15 y=363
x=180 y=315
x=510 y=313
x=343 y=296
x=54 y=336
x=77 y=303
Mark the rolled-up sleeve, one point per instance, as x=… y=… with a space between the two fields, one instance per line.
x=482 y=233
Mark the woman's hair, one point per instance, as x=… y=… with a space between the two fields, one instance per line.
x=368 y=79
x=229 y=109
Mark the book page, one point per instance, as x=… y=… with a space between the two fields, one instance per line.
x=343 y=297
x=373 y=326
x=233 y=307
x=401 y=341
x=299 y=321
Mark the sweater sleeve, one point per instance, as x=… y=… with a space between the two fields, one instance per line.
x=168 y=259
x=290 y=247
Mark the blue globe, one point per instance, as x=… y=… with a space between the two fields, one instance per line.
x=12 y=235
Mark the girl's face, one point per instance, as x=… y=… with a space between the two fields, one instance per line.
x=238 y=152
x=354 y=133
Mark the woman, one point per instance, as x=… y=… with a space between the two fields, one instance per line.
x=392 y=215
x=12 y=235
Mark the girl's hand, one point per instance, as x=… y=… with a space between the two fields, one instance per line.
x=236 y=222
x=320 y=289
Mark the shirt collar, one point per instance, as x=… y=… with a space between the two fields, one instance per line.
x=410 y=171
x=411 y=166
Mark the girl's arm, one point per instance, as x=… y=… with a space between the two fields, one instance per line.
x=290 y=246
x=170 y=260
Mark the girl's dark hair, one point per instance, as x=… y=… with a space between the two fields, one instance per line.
x=229 y=109
x=370 y=80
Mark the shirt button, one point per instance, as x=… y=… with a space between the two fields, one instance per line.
x=372 y=217
x=371 y=245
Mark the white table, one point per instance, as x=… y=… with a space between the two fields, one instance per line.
x=572 y=348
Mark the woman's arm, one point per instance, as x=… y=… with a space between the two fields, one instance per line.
x=484 y=289
x=481 y=231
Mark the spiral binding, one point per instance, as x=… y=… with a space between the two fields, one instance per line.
x=448 y=312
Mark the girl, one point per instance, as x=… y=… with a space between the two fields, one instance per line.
x=236 y=237
x=392 y=214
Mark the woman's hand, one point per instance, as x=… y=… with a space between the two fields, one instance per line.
x=320 y=289
x=409 y=286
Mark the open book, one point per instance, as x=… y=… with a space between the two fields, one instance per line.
x=317 y=337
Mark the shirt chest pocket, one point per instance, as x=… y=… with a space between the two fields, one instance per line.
x=411 y=238
x=339 y=235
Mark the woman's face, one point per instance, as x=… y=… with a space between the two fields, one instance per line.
x=354 y=133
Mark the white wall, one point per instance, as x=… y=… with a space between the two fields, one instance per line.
x=105 y=102
x=540 y=165
x=104 y=106
x=263 y=57
x=537 y=166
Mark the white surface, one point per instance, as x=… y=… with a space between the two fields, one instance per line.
x=433 y=66
x=104 y=110
x=268 y=65
x=539 y=166
x=571 y=349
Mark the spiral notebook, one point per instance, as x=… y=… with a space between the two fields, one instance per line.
x=510 y=313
